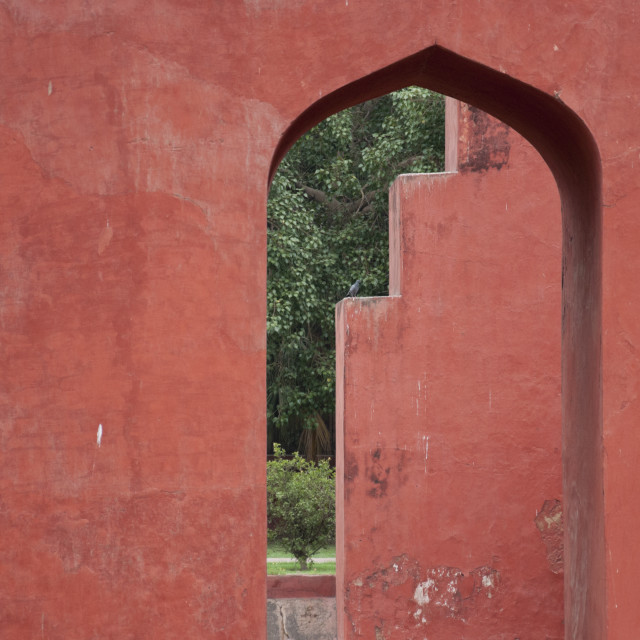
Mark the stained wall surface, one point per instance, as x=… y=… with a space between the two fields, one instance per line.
x=137 y=139
x=449 y=442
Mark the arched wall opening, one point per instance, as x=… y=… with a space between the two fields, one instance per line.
x=568 y=148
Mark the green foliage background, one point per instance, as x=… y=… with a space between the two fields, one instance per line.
x=327 y=227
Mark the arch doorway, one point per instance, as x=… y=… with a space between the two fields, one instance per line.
x=569 y=150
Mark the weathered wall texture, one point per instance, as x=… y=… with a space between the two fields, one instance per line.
x=450 y=448
x=301 y=619
x=136 y=143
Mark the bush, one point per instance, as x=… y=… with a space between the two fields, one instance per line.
x=301 y=508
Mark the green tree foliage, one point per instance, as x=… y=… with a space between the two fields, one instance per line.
x=328 y=226
x=301 y=512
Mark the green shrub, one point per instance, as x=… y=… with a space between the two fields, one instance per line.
x=301 y=511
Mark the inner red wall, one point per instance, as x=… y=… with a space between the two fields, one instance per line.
x=449 y=456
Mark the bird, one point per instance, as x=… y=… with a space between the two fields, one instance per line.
x=353 y=289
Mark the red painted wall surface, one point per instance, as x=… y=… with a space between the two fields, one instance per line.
x=450 y=450
x=136 y=143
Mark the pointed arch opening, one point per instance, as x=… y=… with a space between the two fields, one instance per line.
x=568 y=148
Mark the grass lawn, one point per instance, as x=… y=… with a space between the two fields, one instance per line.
x=284 y=568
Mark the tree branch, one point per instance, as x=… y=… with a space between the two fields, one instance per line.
x=334 y=205
x=320 y=196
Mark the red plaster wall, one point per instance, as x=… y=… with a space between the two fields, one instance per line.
x=136 y=143
x=450 y=442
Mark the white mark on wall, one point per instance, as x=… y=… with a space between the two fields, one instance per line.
x=422 y=619
x=613 y=582
x=422 y=394
x=425 y=443
x=99 y=434
x=422 y=594
x=487 y=583
x=50 y=88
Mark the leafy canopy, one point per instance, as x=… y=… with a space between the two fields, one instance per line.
x=327 y=227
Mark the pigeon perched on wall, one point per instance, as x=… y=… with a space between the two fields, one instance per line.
x=353 y=289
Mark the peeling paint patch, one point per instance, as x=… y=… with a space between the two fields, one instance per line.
x=427 y=595
x=441 y=589
x=453 y=592
x=550 y=525
x=422 y=593
x=486 y=581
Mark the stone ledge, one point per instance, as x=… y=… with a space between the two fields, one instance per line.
x=301 y=586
